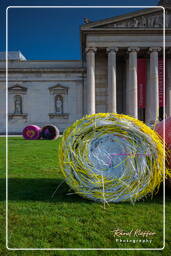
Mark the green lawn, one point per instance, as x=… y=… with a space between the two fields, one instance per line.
x=36 y=220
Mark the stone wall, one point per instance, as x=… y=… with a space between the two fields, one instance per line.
x=38 y=85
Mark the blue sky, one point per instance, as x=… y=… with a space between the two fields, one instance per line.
x=54 y=33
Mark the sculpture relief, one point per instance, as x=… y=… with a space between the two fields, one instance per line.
x=18 y=105
x=143 y=22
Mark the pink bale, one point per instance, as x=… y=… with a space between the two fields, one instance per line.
x=31 y=132
x=160 y=129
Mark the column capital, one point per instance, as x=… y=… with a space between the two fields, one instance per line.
x=154 y=49
x=112 y=49
x=133 y=49
x=91 y=49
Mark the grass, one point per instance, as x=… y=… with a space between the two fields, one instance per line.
x=38 y=220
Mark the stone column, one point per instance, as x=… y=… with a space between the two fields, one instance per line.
x=152 y=104
x=112 y=102
x=132 y=95
x=90 y=57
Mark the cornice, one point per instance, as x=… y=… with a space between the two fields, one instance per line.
x=43 y=70
x=125 y=30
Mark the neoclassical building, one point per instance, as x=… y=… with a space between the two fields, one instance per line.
x=121 y=70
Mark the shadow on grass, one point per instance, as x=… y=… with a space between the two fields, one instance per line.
x=38 y=190
x=43 y=189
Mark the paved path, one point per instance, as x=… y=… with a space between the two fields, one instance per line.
x=11 y=135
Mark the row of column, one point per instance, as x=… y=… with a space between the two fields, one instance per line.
x=132 y=87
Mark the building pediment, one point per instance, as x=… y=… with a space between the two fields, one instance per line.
x=58 y=89
x=144 y=19
x=17 y=89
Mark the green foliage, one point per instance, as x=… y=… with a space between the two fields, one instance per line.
x=38 y=220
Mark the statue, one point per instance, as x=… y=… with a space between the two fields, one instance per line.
x=59 y=104
x=165 y=3
x=136 y=22
x=151 y=21
x=168 y=19
x=87 y=21
x=18 y=105
x=129 y=24
x=158 y=21
x=144 y=21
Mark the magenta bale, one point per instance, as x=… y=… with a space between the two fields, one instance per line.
x=31 y=132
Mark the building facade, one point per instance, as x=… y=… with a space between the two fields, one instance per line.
x=121 y=71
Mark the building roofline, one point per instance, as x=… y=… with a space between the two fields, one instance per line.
x=41 y=60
